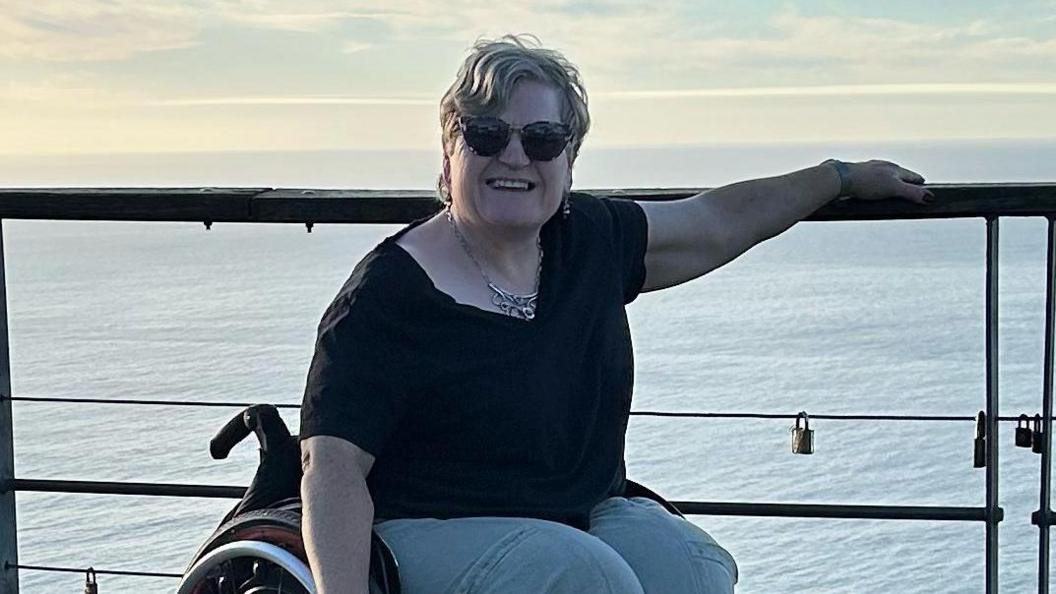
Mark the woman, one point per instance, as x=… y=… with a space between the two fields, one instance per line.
x=471 y=383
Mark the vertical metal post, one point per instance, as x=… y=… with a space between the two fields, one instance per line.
x=1041 y=517
x=991 y=406
x=8 y=529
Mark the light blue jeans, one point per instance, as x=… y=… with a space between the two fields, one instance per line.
x=634 y=546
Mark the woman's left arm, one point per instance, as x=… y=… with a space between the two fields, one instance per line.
x=695 y=235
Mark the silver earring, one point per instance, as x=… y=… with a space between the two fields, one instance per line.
x=565 y=208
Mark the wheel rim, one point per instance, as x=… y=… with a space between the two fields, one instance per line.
x=260 y=550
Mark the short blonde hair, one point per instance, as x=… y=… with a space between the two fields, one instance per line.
x=486 y=79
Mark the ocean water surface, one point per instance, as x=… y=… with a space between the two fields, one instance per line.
x=829 y=318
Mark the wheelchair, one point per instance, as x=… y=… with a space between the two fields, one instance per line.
x=257 y=549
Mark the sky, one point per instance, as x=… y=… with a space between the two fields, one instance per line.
x=147 y=76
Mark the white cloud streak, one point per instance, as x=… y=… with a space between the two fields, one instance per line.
x=304 y=22
x=293 y=100
x=905 y=90
x=948 y=89
x=354 y=47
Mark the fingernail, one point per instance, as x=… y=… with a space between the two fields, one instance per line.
x=929 y=198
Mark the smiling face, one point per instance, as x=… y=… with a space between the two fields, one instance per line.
x=509 y=190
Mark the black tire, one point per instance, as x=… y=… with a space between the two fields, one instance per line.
x=281 y=527
x=287 y=520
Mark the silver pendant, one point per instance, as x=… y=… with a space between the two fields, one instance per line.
x=511 y=304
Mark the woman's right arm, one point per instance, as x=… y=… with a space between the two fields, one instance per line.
x=338 y=513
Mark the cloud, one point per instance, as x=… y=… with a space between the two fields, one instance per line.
x=618 y=43
x=820 y=49
x=99 y=30
x=353 y=47
x=294 y=100
x=945 y=89
x=903 y=90
x=306 y=22
x=92 y=29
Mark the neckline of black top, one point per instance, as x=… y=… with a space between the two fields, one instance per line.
x=542 y=308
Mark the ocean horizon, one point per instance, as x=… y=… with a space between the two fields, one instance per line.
x=704 y=165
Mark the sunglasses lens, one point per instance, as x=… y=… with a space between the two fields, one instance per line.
x=486 y=136
x=544 y=141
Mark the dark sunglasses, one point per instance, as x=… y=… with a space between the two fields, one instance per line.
x=487 y=136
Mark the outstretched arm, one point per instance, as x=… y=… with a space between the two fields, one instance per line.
x=695 y=235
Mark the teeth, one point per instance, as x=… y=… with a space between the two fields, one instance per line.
x=509 y=184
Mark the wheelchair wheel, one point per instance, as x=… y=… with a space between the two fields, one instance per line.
x=259 y=552
x=248 y=567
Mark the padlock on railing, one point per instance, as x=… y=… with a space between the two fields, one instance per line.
x=980 y=440
x=1024 y=435
x=1037 y=436
x=802 y=437
x=90 y=585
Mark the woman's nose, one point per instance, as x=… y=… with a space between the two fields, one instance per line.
x=514 y=155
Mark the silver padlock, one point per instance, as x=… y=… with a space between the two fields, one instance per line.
x=90 y=585
x=802 y=436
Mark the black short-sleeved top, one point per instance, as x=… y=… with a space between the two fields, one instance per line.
x=474 y=413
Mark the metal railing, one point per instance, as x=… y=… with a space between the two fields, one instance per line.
x=310 y=207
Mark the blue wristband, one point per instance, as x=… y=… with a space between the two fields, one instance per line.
x=844 y=173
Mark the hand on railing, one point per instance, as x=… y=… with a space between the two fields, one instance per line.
x=878 y=180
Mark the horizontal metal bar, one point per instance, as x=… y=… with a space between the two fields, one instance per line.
x=833 y=417
x=796 y=510
x=84 y=570
x=141 y=402
x=116 y=488
x=858 y=512
x=642 y=413
x=129 y=204
x=263 y=205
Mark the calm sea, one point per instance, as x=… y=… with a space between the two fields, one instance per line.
x=828 y=318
